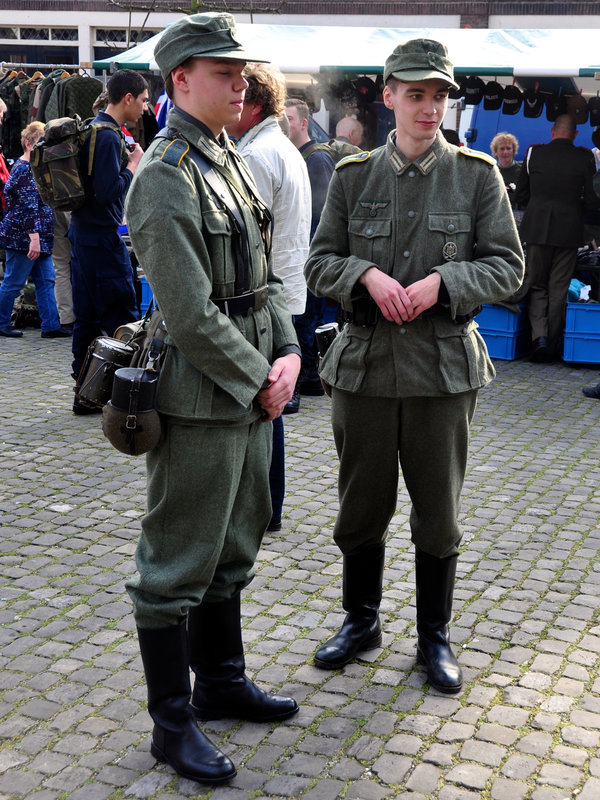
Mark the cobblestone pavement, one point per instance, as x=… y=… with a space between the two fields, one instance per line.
x=73 y=721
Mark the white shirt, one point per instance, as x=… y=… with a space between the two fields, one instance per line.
x=282 y=179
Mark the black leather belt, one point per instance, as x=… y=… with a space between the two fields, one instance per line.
x=365 y=312
x=242 y=303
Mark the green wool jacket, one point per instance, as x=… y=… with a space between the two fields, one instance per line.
x=214 y=365
x=446 y=212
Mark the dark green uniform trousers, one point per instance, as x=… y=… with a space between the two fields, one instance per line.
x=208 y=507
x=428 y=437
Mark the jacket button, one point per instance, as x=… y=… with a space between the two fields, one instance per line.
x=369 y=231
x=402 y=331
x=412 y=173
x=465 y=330
x=406 y=253
x=411 y=214
x=451 y=228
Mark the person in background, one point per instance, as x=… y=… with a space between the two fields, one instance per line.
x=101 y=273
x=26 y=234
x=348 y=137
x=4 y=171
x=320 y=166
x=504 y=147
x=556 y=187
x=414 y=237
x=282 y=179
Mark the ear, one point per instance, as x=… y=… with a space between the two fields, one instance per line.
x=179 y=76
x=387 y=97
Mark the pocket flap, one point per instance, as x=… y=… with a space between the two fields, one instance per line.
x=450 y=223
x=370 y=228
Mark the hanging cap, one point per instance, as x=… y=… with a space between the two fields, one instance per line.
x=211 y=35
x=594 y=110
x=420 y=60
x=493 y=96
x=512 y=100
x=533 y=103
x=578 y=108
x=556 y=105
x=474 y=89
x=460 y=91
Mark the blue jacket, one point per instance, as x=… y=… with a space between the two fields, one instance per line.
x=108 y=184
x=25 y=212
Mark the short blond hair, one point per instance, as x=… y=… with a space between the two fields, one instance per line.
x=32 y=133
x=503 y=138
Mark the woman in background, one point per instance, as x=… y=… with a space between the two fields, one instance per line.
x=27 y=235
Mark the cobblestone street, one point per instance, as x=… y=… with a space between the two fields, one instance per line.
x=73 y=719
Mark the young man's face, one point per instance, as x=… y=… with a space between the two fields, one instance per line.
x=295 y=124
x=136 y=106
x=419 y=108
x=211 y=90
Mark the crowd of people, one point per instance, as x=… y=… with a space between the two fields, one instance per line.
x=245 y=227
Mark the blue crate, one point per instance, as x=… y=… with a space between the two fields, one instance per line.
x=582 y=318
x=507 y=346
x=582 y=348
x=146 y=295
x=498 y=318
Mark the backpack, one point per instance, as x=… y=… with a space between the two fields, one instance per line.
x=56 y=160
x=336 y=149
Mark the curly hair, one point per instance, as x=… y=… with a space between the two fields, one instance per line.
x=266 y=88
x=503 y=138
x=32 y=133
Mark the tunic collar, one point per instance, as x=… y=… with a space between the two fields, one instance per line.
x=425 y=163
x=198 y=134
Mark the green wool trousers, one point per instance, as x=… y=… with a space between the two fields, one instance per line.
x=208 y=507
x=427 y=438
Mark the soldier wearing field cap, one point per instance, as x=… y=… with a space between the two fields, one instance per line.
x=202 y=234
x=414 y=236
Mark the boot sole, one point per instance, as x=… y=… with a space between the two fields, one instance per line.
x=205 y=715
x=443 y=689
x=370 y=645
x=160 y=756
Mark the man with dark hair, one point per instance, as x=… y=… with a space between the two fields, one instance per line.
x=101 y=272
x=555 y=186
x=320 y=166
x=202 y=233
x=282 y=179
x=414 y=236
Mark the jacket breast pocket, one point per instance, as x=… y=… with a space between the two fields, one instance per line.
x=452 y=230
x=219 y=241
x=371 y=239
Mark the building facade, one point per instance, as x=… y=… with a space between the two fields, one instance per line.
x=78 y=32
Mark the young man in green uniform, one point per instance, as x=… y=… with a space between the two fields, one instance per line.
x=414 y=236
x=200 y=231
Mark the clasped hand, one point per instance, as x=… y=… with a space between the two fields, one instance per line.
x=398 y=303
x=282 y=376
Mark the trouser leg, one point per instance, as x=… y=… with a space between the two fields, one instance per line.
x=563 y=267
x=539 y=259
x=42 y=275
x=221 y=687
x=176 y=738
x=61 y=256
x=16 y=272
x=365 y=433
x=277 y=471
x=208 y=508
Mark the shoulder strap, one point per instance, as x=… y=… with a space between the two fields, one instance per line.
x=96 y=126
x=223 y=195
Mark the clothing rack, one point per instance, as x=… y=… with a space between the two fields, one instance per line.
x=22 y=65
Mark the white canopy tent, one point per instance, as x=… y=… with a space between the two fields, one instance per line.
x=538 y=54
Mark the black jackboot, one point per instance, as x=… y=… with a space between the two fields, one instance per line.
x=176 y=738
x=435 y=588
x=221 y=687
x=361 y=590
